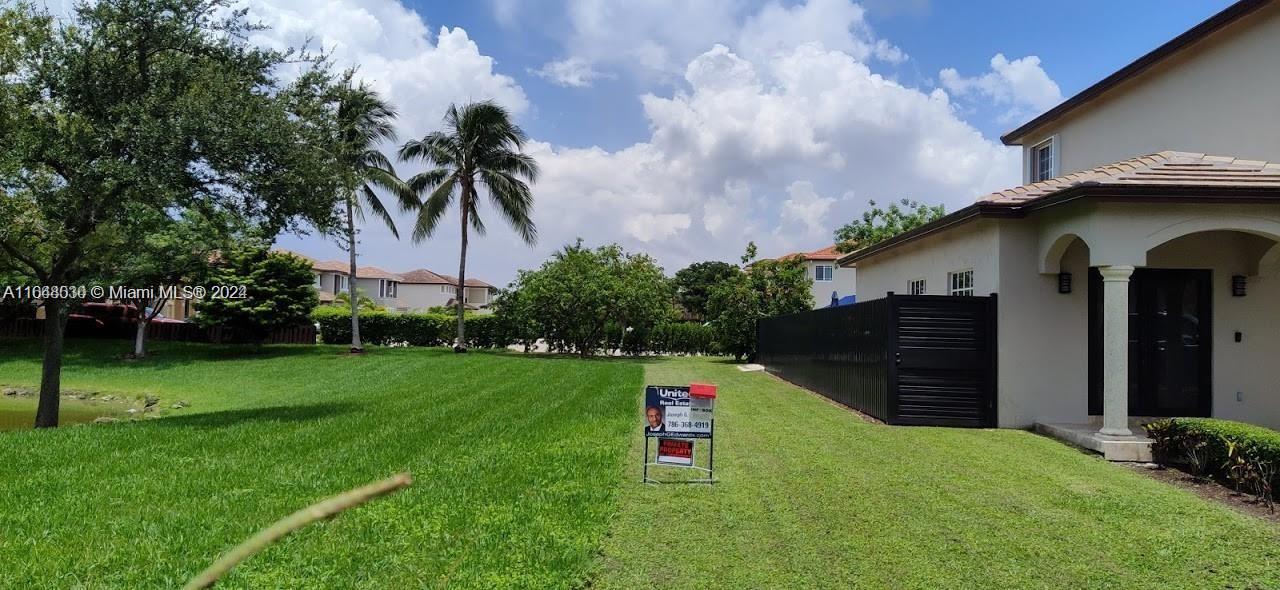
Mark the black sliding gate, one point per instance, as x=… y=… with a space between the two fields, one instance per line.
x=905 y=359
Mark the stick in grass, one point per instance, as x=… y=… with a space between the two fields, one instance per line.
x=318 y=511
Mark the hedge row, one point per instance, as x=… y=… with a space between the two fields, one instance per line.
x=413 y=329
x=1244 y=454
x=665 y=338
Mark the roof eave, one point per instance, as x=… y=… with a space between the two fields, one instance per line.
x=1131 y=193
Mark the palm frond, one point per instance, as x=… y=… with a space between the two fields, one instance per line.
x=513 y=200
x=433 y=209
x=375 y=205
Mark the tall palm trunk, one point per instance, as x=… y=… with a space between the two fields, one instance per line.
x=140 y=336
x=356 y=346
x=460 y=345
x=55 y=325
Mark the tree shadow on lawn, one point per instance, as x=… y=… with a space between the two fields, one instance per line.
x=226 y=418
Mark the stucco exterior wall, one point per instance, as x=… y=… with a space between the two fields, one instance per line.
x=1217 y=97
x=419 y=297
x=974 y=245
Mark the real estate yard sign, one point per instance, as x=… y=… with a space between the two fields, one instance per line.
x=677 y=415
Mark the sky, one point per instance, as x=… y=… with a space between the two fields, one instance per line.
x=684 y=129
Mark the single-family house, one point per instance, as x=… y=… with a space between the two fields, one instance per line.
x=415 y=290
x=1138 y=267
x=828 y=281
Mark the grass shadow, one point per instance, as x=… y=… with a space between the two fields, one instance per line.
x=227 y=418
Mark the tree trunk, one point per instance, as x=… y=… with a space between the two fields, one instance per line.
x=356 y=345
x=460 y=345
x=55 y=325
x=140 y=338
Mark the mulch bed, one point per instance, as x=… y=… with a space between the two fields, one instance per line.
x=1209 y=490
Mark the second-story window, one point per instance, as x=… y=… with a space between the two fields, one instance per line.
x=916 y=287
x=1044 y=160
x=823 y=272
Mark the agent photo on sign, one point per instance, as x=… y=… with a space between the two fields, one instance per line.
x=653 y=416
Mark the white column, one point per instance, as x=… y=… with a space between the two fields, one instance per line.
x=1115 y=350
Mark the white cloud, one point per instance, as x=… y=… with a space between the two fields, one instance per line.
x=573 y=72
x=770 y=151
x=835 y=24
x=395 y=52
x=805 y=207
x=1021 y=85
x=640 y=37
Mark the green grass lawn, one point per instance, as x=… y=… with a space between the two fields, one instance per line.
x=516 y=462
x=811 y=497
x=527 y=475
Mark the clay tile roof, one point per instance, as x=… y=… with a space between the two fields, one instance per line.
x=470 y=282
x=373 y=272
x=423 y=276
x=1160 y=169
x=331 y=266
x=828 y=253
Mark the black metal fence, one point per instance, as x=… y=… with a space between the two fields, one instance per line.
x=905 y=359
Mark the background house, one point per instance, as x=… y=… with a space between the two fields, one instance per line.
x=825 y=276
x=415 y=290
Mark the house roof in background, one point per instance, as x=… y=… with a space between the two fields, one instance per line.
x=423 y=276
x=1194 y=35
x=1162 y=177
x=827 y=253
x=373 y=272
x=470 y=282
x=331 y=266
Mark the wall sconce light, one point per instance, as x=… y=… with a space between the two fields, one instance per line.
x=1238 y=284
x=1064 y=282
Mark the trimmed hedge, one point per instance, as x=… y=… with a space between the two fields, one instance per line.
x=412 y=329
x=687 y=338
x=1235 y=451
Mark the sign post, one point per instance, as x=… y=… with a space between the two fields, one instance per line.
x=677 y=416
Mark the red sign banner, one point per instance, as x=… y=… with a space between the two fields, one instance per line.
x=675 y=451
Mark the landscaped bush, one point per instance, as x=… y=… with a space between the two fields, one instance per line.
x=1245 y=454
x=413 y=329
x=687 y=338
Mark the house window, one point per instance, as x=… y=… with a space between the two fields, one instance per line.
x=960 y=283
x=317 y=283
x=386 y=289
x=915 y=287
x=339 y=284
x=1044 y=159
x=823 y=272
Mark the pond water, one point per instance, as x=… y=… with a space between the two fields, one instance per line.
x=19 y=412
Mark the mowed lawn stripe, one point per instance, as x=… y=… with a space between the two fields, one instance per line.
x=513 y=487
x=811 y=496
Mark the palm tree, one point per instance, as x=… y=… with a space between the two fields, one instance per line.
x=479 y=145
x=364 y=121
x=363 y=302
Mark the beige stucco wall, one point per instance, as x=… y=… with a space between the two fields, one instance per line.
x=418 y=297
x=974 y=245
x=1217 y=97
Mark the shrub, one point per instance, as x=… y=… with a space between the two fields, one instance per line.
x=413 y=329
x=687 y=338
x=1245 y=454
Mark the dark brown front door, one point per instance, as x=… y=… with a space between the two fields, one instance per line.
x=1170 y=342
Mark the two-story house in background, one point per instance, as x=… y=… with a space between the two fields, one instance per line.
x=415 y=290
x=1138 y=267
x=829 y=283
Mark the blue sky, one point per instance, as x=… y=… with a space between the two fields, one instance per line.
x=685 y=129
